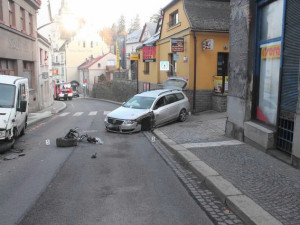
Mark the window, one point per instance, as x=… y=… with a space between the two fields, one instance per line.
x=30 y=24
x=62 y=58
x=41 y=56
x=22 y=20
x=269 y=61
x=46 y=58
x=11 y=9
x=222 y=67
x=1 y=11
x=84 y=44
x=179 y=96
x=173 y=65
x=7 y=67
x=92 y=44
x=28 y=72
x=146 y=68
x=160 y=103
x=173 y=20
x=171 y=98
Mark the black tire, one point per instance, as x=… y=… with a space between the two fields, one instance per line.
x=182 y=115
x=70 y=99
x=64 y=142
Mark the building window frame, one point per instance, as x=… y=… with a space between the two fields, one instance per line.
x=1 y=11
x=259 y=79
x=30 y=24
x=173 y=18
x=22 y=20
x=12 y=14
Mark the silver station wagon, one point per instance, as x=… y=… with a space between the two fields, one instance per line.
x=151 y=109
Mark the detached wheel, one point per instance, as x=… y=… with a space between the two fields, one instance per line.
x=182 y=115
x=64 y=142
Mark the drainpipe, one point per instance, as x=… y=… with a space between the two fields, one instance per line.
x=195 y=70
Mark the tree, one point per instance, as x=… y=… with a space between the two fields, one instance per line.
x=155 y=17
x=109 y=35
x=135 y=24
x=121 y=30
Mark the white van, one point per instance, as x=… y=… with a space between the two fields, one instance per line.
x=14 y=98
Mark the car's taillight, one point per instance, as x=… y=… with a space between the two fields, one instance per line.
x=189 y=99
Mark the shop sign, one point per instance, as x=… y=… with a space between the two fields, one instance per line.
x=164 y=65
x=149 y=53
x=271 y=52
x=208 y=44
x=177 y=44
x=218 y=84
x=134 y=56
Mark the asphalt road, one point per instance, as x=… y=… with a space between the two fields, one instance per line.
x=128 y=182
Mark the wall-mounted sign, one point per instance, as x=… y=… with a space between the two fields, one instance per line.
x=177 y=44
x=164 y=65
x=45 y=75
x=149 y=53
x=271 y=52
x=185 y=59
x=134 y=56
x=208 y=44
x=175 y=57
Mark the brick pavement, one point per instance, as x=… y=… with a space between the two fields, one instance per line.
x=272 y=184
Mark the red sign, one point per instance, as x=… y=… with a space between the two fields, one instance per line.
x=149 y=53
x=177 y=45
x=85 y=81
x=270 y=52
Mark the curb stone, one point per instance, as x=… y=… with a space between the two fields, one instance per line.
x=249 y=211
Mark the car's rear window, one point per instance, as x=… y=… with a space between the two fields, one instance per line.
x=179 y=96
x=139 y=102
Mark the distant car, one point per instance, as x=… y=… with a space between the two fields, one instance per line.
x=75 y=93
x=151 y=109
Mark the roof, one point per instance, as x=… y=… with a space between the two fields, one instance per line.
x=134 y=37
x=155 y=93
x=151 y=27
x=150 y=42
x=91 y=62
x=208 y=15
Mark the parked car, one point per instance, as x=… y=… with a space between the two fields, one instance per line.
x=14 y=92
x=150 y=109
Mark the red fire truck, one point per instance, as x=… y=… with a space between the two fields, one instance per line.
x=63 y=91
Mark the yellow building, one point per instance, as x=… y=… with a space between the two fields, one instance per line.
x=193 y=43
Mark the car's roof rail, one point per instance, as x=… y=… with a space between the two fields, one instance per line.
x=170 y=90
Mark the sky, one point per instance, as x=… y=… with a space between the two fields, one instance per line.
x=103 y=13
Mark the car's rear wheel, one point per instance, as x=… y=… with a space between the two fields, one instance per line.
x=182 y=115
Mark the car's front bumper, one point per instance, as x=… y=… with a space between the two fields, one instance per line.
x=123 y=128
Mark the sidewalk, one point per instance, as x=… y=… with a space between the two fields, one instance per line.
x=55 y=108
x=256 y=186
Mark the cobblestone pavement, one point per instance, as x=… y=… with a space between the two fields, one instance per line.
x=274 y=185
x=212 y=205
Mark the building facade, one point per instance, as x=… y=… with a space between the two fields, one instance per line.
x=45 y=81
x=263 y=101
x=193 y=43
x=18 y=38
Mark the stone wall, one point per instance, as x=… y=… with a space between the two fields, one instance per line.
x=219 y=102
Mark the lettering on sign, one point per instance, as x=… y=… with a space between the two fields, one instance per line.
x=271 y=52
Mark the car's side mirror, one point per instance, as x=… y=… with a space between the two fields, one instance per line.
x=23 y=106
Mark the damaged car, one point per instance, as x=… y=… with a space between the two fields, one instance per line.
x=151 y=109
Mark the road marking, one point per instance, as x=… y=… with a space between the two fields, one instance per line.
x=93 y=113
x=106 y=112
x=78 y=114
x=212 y=144
x=64 y=114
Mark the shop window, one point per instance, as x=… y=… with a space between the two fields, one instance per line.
x=22 y=20
x=146 y=68
x=1 y=11
x=11 y=10
x=173 y=19
x=268 y=62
